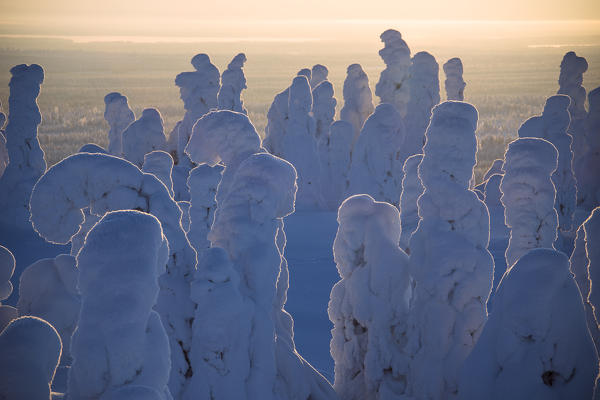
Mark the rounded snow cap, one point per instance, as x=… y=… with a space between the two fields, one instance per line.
x=573 y=64
x=556 y=103
x=31 y=73
x=305 y=72
x=319 y=73
x=426 y=63
x=385 y=114
x=531 y=153
x=92 y=148
x=7 y=268
x=453 y=66
x=355 y=71
x=114 y=97
x=300 y=95
x=453 y=110
x=238 y=61
x=152 y=115
x=199 y=61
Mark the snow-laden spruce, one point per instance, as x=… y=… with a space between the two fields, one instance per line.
x=378 y=156
x=552 y=125
x=26 y=156
x=588 y=164
x=143 y=136
x=424 y=91
x=358 y=99
x=105 y=183
x=48 y=290
x=449 y=260
x=233 y=82
x=318 y=74
x=203 y=182
x=369 y=305
x=160 y=164
x=535 y=344
x=323 y=111
x=411 y=190
x=118 y=115
x=30 y=349
x=120 y=340
x=454 y=83
x=335 y=164
x=393 y=82
x=7 y=268
x=528 y=196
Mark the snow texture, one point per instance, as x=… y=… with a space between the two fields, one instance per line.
x=323 y=111
x=378 y=156
x=233 y=82
x=160 y=164
x=143 y=136
x=118 y=115
x=369 y=305
x=26 y=156
x=30 y=349
x=336 y=156
x=535 y=344
x=358 y=99
x=393 y=85
x=47 y=290
x=449 y=260
x=105 y=183
x=7 y=268
x=412 y=188
x=203 y=182
x=92 y=148
x=528 y=196
x=454 y=83
x=179 y=176
x=424 y=90
x=318 y=74
x=587 y=165
x=120 y=341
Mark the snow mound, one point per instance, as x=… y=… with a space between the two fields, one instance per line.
x=323 y=111
x=336 y=157
x=587 y=164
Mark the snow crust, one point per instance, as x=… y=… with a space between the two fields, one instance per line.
x=118 y=115
x=393 y=84
x=233 y=82
x=358 y=99
x=143 y=136
x=454 y=83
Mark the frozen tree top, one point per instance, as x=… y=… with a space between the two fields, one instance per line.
x=318 y=74
x=7 y=267
x=199 y=88
x=118 y=115
x=570 y=82
x=143 y=136
x=233 y=82
x=392 y=86
x=455 y=85
x=305 y=72
x=358 y=98
x=530 y=153
x=395 y=49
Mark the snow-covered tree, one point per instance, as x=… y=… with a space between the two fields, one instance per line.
x=358 y=99
x=323 y=111
x=318 y=74
x=587 y=164
x=7 y=268
x=424 y=91
x=277 y=117
x=536 y=344
x=203 y=182
x=449 y=260
x=369 y=305
x=120 y=341
x=454 y=83
x=378 y=156
x=528 y=196
x=160 y=164
x=118 y=115
x=335 y=163
x=26 y=156
x=393 y=82
x=30 y=349
x=591 y=228
x=411 y=190
x=143 y=136
x=105 y=183
x=233 y=82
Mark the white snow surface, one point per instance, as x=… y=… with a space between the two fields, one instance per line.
x=454 y=83
x=358 y=99
x=393 y=85
x=535 y=344
x=369 y=305
x=233 y=82
x=323 y=110
x=160 y=164
x=412 y=188
x=203 y=182
x=143 y=136
x=118 y=115
x=120 y=340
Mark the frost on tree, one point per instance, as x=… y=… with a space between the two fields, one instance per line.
x=454 y=83
x=30 y=349
x=393 y=85
x=535 y=344
x=143 y=136
x=198 y=90
x=48 y=290
x=248 y=226
x=412 y=188
x=588 y=164
x=552 y=125
x=120 y=340
x=7 y=268
x=233 y=82
x=528 y=196
x=449 y=260
x=358 y=99
x=203 y=182
x=318 y=74
x=424 y=90
x=335 y=164
x=378 y=156
x=26 y=156
x=369 y=305
x=323 y=111
x=160 y=164
x=105 y=183
x=118 y=115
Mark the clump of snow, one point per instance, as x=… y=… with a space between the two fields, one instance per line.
x=587 y=165
x=358 y=99
x=203 y=182
x=92 y=148
x=318 y=74
x=120 y=341
x=535 y=344
x=7 y=268
x=369 y=305
x=411 y=190
x=118 y=115
x=336 y=157
x=305 y=72
x=233 y=82
x=424 y=91
x=47 y=289
x=30 y=349
x=323 y=111
x=143 y=136
x=378 y=157
x=105 y=183
x=528 y=196
x=454 y=83
x=160 y=164
x=26 y=156
x=393 y=82
x=449 y=260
